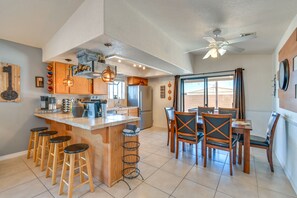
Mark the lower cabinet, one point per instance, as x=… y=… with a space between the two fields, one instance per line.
x=133 y=112
x=128 y=112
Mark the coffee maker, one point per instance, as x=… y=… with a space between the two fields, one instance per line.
x=44 y=102
x=92 y=109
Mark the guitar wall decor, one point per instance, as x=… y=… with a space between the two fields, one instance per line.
x=9 y=83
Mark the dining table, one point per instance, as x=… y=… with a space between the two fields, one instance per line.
x=239 y=126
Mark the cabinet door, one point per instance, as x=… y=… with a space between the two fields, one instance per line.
x=133 y=112
x=60 y=72
x=100 y=87
x=81 y=85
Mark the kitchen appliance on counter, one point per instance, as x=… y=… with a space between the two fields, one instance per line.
x=93 y=108
x=142 y=97
x=44 y=102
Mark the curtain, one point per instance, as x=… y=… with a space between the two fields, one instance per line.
x=238 y=94
x=175 y=92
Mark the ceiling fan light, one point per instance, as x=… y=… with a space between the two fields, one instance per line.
x=222 y=51
x=214 y=53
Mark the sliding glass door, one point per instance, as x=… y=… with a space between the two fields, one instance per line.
x=208 y=91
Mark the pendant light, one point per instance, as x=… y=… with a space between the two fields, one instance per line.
x=108 y=75
x=68 y=81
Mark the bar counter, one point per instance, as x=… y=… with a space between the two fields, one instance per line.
x=104 y=136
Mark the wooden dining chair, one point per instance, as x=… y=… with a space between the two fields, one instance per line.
x=261 y=142
x=169 y=112
x=186 y=130
x=232 y=111
x=218 y=134
x=205 y=110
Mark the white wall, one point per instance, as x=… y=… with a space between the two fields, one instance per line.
x=286 y=133
x=16 y=119
x=159 y=103
x=258 y=75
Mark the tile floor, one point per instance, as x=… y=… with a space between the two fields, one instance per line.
x=164 y=176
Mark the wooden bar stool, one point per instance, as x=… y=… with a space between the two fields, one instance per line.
x=83 y=161
x=43 y=141
x=57 y=145
x=33 y=140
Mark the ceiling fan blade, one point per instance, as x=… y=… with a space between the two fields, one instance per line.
x=233 y=48
x=207 y=54
x=222 y=51
x=194 y=50
x=209 y=39
x=243 y=38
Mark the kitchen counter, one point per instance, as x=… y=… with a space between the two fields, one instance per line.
x=104 y=137
x=88 y=123
x=121 y=108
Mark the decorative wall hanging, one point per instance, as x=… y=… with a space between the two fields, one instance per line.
x=287 y=90
x=9 y=82
x=162 y=91
x=39 y=81
x=169 y=90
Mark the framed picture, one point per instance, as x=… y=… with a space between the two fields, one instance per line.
x=39 y=81
x=162 y=91
x=295 y=63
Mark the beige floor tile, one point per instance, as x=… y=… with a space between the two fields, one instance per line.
x=265 y=193
x=221 y=195
x=275 y=183
x=156 y=160
x=99 y=192
x=177 y=167
x=212 y=166
x=36 y=170
x=16 y=179
x=240 y=175
x=264 y=168
x=146 y=170
x=121 y=189
x=48 y=181
x=146 y=191
x=237 y=188
x=164 y=181
x=204 y=177
x=7 y=169
x=44 y=195
x=188 y=189
x=28 y=189
x=165 y=152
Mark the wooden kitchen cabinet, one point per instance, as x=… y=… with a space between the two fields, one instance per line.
x=60 y=71
x=133 y=112
x=100 y=87
x=123 y=112
x=133 y=80
x=81 y=86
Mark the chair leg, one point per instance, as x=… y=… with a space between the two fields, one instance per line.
x=270 y=159
x=196 y=154
x=80 y=161
x=55 y=164
x=184 y=147
x=234 y=154
x=71 y=175
x=209 y=153
x=239 y=153
x=30 y=145
x=205 y=154
x=168 y=137
x=89 y=172
x=230 y=158
x=43 y=153
x=176 y=150
x=35 y=146
x=38 y=150
x=49 y=160
x=61 y=188
x=202 y=145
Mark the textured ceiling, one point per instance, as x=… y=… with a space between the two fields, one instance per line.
x=187 y=21
x=34 y=22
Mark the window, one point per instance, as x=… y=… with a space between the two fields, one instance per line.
x=208 y=91
x=116 y=90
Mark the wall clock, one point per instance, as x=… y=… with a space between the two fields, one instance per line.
x=284 y=74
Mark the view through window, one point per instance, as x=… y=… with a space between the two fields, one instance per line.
x=116 y=90
x=208 y=91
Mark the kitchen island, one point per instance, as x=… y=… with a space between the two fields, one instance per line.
x=104 y=136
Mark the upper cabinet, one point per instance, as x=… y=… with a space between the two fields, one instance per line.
x=100 y=87
x=137 y=81
x=59 y=71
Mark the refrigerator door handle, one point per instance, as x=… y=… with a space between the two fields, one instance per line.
x=140 y=101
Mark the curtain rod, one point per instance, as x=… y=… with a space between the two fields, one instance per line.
x=208 y=73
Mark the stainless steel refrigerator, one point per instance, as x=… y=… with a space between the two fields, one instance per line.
x=142 y=97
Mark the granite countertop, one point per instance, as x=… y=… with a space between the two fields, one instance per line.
x=88 y=123
x=120 y=108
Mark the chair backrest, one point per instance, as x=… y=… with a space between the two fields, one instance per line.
x=232 y=111
x=217 y=128
x=274 y=117
x=186 y=124
x=169 y=111
x=205 y=110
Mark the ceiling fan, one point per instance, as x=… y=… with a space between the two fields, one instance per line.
x=218 y=45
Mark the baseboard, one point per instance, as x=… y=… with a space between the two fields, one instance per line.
x=13 y=155
x=294 y=185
